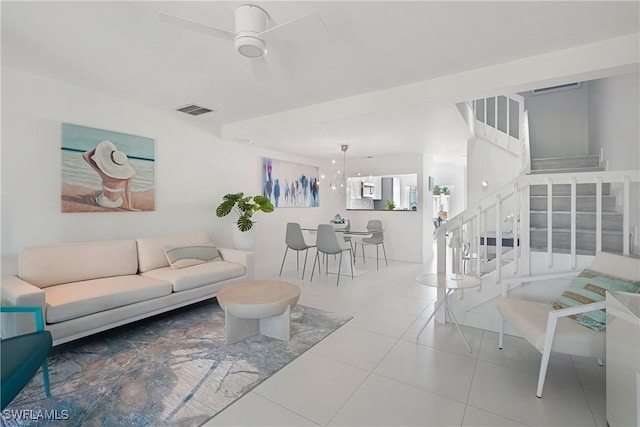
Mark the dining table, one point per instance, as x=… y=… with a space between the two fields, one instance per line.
x=362 y=233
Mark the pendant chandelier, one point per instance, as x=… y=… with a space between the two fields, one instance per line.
x=339 y=181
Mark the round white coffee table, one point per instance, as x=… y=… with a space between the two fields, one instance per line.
x=450 y=285
x=258 y=307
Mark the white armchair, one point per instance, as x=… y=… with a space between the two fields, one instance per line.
x=550 y=330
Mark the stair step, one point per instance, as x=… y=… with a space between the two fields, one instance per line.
x=578 y=251
x=568 y=170
x=584 y=220
x=583 y=231
x=585 y=240
x=562 y=163
x=563 y=203
x=565 y=189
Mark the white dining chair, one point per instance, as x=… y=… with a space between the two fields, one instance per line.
x=328 y=243
x=377 y=239
x=294 y=239
x=348 y=238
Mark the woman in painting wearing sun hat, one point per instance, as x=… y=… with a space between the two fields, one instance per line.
x=116 y=172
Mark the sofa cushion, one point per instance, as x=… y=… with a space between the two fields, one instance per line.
x=44 y=266
x=151 y=253
x=197 y=275
x=591 y=286
x=77 y=299
x=186 y=256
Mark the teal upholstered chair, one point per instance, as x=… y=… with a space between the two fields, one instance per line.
x=23 y=355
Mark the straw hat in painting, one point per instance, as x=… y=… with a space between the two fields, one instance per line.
x=113 y=162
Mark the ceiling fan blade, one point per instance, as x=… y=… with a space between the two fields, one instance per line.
x=195 y=26
x=308 y=25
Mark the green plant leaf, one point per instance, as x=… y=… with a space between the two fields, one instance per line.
x=263 y=204
x=225 y=208
x=244 y=223
x=245 y=205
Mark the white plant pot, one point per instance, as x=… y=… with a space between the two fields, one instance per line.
x=244 y=240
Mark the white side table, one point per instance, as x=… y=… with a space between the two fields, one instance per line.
x=450 y=286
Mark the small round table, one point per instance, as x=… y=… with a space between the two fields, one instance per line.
x=258 y=307
x=450 y=285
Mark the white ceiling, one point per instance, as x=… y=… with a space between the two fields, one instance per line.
x=121 y=48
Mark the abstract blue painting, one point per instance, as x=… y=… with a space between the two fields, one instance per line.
x=289 y=184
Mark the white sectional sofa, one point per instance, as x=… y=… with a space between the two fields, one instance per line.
x=84 y=288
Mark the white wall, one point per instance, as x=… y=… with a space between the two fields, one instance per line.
x=193 y=171
x=614 y=115
x=558 y=123
x=614 y=127
x=486 y=162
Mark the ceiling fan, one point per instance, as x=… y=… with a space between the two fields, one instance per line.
x=251 y=33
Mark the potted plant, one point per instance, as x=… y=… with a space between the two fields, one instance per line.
x=389 y=205
x=245 y=207
x=437 y=190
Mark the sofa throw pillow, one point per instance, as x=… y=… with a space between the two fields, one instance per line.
x=186 y=256
x=591 y=286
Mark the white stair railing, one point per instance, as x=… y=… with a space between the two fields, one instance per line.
x=487 y=219
x=500 y=119
x=503 y=121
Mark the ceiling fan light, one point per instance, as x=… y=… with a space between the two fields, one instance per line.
x=251 y=47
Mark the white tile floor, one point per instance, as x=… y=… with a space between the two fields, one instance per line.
x=373 y=371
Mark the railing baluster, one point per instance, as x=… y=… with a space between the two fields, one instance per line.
x=625 y=216
x=549 y=222
x=477 y=237
x=515 y=233
x=485 y=111
x=485 y=223
x=441 y=251
x=498 y=238
x=525 y=227
x=508 y=122
x=496 y=134
x=508 y=108
x=573 y=224
x=521 y=119
x=598 y=214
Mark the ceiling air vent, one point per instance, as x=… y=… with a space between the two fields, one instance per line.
x=194 y=110
x=557 y=88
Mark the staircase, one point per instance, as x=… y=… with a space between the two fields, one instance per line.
x=573 y=203
x=586 y=209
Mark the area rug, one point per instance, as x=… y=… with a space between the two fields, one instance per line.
x=171 y=370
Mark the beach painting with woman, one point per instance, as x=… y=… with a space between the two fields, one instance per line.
x=105 y=171
x=289 y=184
